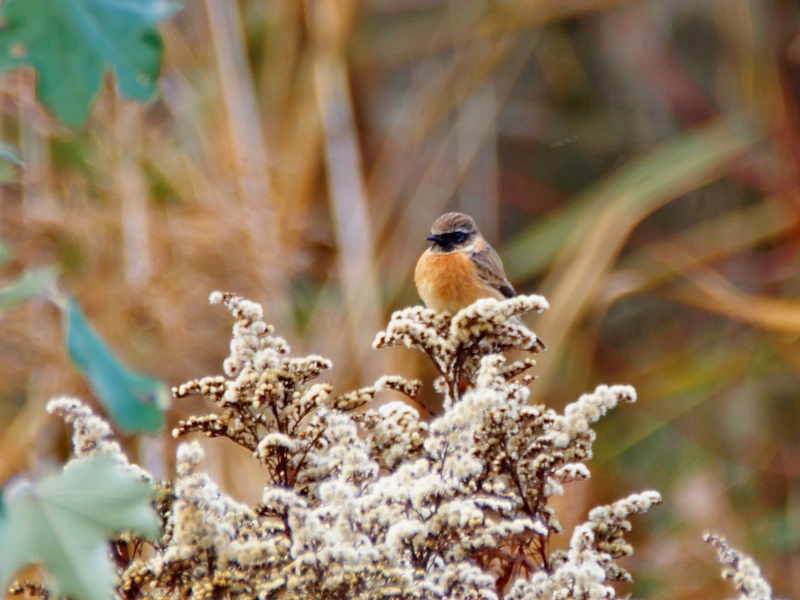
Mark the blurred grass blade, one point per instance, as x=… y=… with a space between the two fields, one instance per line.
x=18 y=437
x=134 y=402
x=614 y=208
x=349 y=209
x=10 y=153
x=28 y=285
x=251 y=155
x=711 y=240
x=530 y=253
x=687 y=162
x=5 y=253
x=376 y=44
x=712 y=292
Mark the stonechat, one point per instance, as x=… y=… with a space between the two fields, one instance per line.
x=460 y=267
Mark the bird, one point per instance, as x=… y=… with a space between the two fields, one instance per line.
x=460 y=266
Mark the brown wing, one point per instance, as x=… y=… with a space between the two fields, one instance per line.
x=490 y=270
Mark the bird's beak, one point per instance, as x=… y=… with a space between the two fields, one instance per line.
x=433 y=238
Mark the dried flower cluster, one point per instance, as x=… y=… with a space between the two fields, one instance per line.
x=377 y=503
x=457 y=344
x=742 y=570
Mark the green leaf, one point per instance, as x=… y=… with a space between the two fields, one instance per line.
x=133 y=401
x=28 y=285
x=70 y=43
x=64 y=522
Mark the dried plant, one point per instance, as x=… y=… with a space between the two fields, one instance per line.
x=457 y=344
x=376 y=503
x=741 y=570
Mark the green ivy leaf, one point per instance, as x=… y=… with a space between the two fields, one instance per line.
x=64 y=522
x=28 y=285
x=133 y=401
x=70 y=43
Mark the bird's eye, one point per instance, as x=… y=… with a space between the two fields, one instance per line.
x=459 y=236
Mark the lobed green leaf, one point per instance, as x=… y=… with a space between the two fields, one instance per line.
x=64 y=523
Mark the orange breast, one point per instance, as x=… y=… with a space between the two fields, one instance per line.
x=449 y=282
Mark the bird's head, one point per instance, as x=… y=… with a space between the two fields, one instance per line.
x=453 y=231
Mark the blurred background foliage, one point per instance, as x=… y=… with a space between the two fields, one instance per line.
x=636 y=162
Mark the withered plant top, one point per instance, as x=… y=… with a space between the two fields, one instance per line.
x=456 y=344
x=379 y=504
x=268 y=404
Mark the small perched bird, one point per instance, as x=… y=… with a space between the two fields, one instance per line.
x=460 y=267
